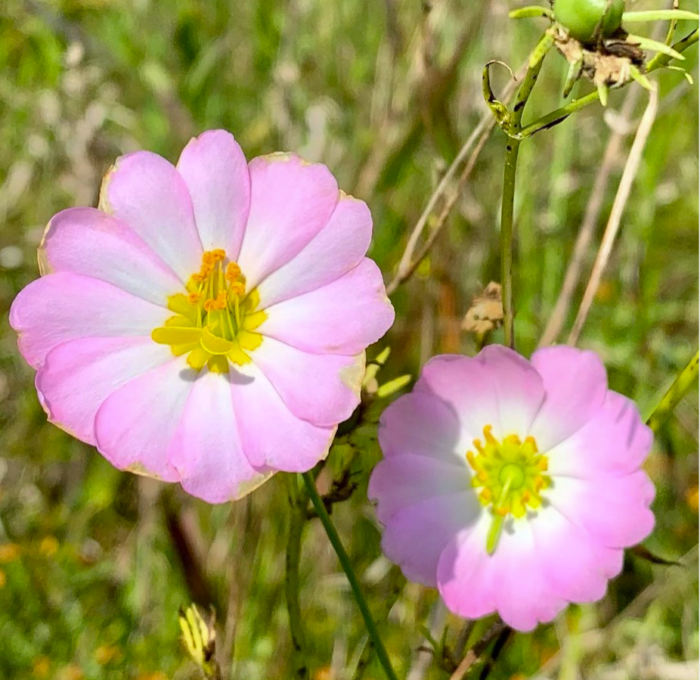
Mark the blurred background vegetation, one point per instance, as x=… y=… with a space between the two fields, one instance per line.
x=95 y=563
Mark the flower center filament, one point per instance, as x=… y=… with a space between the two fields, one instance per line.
x=215 y=320
x=511 y=477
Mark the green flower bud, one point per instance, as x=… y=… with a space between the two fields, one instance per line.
x=581 y=17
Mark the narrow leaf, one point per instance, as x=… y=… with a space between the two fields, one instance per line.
x=659 y=15
x=655 y=46
x=685 y=380
x=531 y=11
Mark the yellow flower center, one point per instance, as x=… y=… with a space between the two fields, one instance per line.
x=216 y=319
x=511 y=477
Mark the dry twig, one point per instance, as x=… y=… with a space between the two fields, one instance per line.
x=590 y=220
x=474 y=144
x=613 y=226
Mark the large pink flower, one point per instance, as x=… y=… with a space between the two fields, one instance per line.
x=513 y=485
x=208 y=323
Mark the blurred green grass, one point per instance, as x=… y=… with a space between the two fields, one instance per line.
x=91 y=570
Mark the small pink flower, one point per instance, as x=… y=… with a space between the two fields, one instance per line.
x=513 y=485
x=207 y=324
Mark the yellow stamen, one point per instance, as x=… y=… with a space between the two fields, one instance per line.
x=510 y=476
x=216 y=319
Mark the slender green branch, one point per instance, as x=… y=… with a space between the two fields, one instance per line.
x=683 y=382
x=297 y=516
x=345 y=563
x=507 y=203
x=508 y=199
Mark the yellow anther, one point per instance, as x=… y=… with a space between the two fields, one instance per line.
x=209 y=305
x=198 y=278
x=233 y=271
x=490 y=439
x=238 y=288
x=539 y=482
x=482 y=476
x=502 y=512
x=512 y=439
x=194 y=298
x=526 y=496
x=486 y=495
x=472 y=459
x=218 y=255
x=543 y=464
x=208 y=258
x=531 y=444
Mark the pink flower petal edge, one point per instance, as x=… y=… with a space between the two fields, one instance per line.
x=554 y=430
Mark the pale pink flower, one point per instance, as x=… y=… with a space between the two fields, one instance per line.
x=513 y=485
x=207 y=324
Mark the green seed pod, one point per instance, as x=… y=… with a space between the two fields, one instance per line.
x=580 y=17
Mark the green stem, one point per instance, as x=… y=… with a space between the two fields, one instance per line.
x=561 y=114
x=344 y=560
x=508 y=200
x=396 y=584
x=683 y=382
x=507 y=204
x=297 y=516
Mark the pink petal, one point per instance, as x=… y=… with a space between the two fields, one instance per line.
x=334 y=251
x=291 y=201
x=89 y=242
x=511 y=581
x=422 y=424
x=576 y=566
x=135 y=425
x=465 y=577
x=270 y=434
x=523 y=597
x=343 y=317
x=65 y=306
x=401 y=481
x=216 y=173
x=614 y=442
x=497 y=387
x=149 y=194
x=415 y=537
x=614 y=510
x=79 y=375
x=206 y=448
x=323 y=389
x=576 y=384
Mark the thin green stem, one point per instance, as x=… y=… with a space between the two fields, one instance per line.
x=508 y=200
x=396 y=584
x=297 y=516
x=561 y=114
x=683 y=382
x=345 y=563
x=507 y=203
